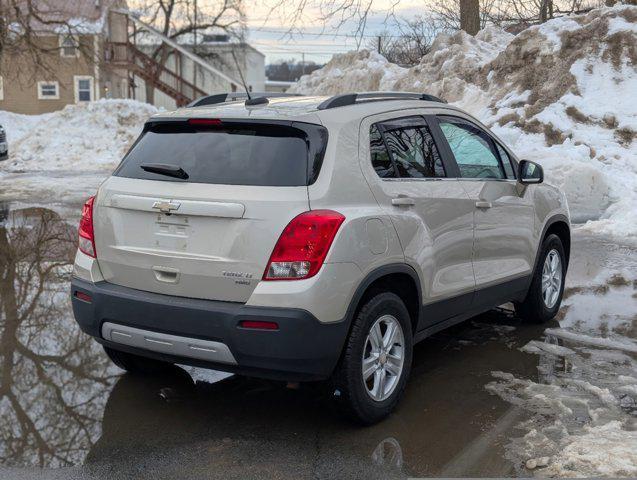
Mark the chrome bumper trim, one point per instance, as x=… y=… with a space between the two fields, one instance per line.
x=169 y=344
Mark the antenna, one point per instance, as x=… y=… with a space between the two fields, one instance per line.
x=245 y=87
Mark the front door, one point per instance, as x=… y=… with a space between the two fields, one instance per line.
x=503 y=212
x=431 y=212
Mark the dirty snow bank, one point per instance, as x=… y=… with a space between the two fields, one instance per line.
x=86 y=137
x=561 y=94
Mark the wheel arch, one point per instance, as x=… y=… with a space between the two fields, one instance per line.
x=560 y=226
x=400 y=279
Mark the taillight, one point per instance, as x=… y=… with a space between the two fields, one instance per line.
x=303 y=245
x=86 y=242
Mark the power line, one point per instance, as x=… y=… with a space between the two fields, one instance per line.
x=321 y=34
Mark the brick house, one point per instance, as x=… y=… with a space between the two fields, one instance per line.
x=77 y=72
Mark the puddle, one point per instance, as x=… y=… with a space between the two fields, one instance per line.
x=63 y=404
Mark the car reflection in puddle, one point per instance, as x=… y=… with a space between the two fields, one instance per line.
x=64 y=404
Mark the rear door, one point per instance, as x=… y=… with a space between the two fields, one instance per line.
x=430 y=210
x=504 y=213
x=208 y=235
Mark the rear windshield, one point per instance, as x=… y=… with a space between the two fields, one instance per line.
x=232 y=154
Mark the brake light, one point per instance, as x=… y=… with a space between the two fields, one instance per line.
x=204 y=122
x=303 y=245
x=86 y=241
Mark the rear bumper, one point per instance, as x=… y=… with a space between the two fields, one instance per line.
x=206 y=333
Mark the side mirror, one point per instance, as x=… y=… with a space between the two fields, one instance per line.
x=530 y=173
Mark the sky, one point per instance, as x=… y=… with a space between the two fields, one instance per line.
x=269 y=31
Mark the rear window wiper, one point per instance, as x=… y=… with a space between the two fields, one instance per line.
x=163 y=169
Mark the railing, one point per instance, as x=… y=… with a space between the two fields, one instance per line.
x=126 y=55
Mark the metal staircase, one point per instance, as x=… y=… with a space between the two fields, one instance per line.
x=122 y=53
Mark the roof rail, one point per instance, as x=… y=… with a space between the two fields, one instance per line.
x=351 y=98
x=234 y=96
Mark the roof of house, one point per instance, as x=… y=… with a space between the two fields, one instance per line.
x=84 y=16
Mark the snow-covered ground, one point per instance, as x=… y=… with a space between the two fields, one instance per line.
x=63 y=156
x=561 y=94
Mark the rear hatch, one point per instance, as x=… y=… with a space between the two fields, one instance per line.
x=195 y=210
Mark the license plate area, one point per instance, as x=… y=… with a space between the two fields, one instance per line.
x=172 y=232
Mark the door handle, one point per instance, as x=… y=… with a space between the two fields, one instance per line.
x=401 y=201
x=483 y=204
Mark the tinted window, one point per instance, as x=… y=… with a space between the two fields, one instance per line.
x=269 y=155
x=380 y=156
x=472 y=150
x=506 y=161
x=414 y=152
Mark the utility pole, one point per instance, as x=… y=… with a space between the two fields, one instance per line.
x=194 y=48
x=380 y=43
x=195 y=29
x=302 y=63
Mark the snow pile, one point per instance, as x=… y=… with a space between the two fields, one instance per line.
x=85 y=137
x=362 y=71
x=561 y=94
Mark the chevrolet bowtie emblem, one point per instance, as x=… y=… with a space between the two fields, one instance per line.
x=166 y=207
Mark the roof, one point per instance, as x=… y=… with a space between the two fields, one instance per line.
x=301 y=109
x=84 y=16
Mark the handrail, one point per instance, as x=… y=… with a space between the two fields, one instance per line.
x=176 y=46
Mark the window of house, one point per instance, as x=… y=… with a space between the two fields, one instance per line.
x=83 y=88
x=48 y=91
x=472 y=149
x=68 y=46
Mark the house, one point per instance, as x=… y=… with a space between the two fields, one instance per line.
x=102 y=58
x=74 y=72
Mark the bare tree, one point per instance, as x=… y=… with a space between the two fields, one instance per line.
x=447 y=13
x=466 y=14
x=178 y=19
x=54 y=380
x=29 y=31
x=523 y=13
x=411 y=44
x=470 y=16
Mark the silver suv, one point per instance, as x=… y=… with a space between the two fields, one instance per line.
x=306 y=238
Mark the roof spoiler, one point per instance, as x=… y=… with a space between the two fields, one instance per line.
x=257 y=98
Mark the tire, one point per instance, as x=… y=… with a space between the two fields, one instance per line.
x=535 y=308
x=351 y=393
x=136 y=364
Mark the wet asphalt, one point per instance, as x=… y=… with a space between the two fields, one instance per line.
x=66 y=412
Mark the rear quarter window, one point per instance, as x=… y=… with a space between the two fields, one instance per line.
x=231 y=154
